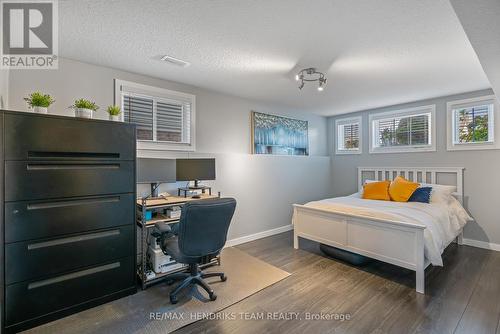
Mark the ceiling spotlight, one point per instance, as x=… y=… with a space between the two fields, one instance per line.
x=310 y=75
x=322 y=84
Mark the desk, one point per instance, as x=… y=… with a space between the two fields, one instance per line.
x=146 y=225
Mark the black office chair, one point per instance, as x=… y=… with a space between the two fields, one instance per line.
x=202 y=233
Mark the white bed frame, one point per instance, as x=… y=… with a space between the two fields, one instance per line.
x=395 y=242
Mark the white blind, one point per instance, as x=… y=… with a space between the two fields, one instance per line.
x=169 y=121
x=349 y=136
x=139 y=111
x=473 y=124
x=401 y=131
x=157 y=118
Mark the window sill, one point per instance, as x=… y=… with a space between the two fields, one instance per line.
x=347 y=152
x=403 y=150
x=473 y=146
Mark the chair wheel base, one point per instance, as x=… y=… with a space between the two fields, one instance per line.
x=223 y=278
x=212 y=296
x=173 y=300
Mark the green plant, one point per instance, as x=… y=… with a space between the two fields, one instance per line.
x=114 y=110
x=85 y=104
x=38 y=99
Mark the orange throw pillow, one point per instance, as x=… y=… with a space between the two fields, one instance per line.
x=377 y=190
x=401 y=189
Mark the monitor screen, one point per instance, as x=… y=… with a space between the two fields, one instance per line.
x=195 y=169
x=155 y=170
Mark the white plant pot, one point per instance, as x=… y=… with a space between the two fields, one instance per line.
x=115 y=118
x=41 y=110
x=84 y=113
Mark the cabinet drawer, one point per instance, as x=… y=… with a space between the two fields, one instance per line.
x=32 y=259
x=28 y=300
x=25 y=180
x=40 y=219
x=41 y=137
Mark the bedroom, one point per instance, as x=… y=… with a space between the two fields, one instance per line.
x=405 y=88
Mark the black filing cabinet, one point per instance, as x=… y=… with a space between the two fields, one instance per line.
x=68 y=215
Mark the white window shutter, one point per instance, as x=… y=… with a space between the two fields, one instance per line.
x=139 y=111
x=165 y=119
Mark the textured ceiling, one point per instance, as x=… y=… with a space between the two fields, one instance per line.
x=480 y=21
x=375 y=53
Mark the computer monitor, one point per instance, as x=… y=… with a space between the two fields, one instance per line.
x=155 y=171
x=195 y=170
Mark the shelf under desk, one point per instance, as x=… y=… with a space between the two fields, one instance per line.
x=145 y=225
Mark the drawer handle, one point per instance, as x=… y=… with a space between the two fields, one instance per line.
x=70 y=240
x=59 y=204
x=62 y=155
x=71 y=166
x=74 y=275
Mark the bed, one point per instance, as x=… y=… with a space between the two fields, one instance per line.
x=410 y=235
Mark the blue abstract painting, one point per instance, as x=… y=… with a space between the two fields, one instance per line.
x=279 y=135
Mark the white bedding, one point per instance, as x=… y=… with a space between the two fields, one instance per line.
x=443 y=221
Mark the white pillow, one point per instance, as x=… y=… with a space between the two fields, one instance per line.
x=440 y=193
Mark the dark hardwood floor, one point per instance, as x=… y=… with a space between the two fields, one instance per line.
x=461 y=297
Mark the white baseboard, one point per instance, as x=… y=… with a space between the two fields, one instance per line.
x=481 y=244
x=259 y=235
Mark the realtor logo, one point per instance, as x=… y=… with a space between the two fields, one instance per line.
x=29 y=34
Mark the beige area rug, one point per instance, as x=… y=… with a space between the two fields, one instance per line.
x=150 y=310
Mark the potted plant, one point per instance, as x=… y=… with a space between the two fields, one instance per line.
x=114 y=113
x=39 y=102
x=84 y=108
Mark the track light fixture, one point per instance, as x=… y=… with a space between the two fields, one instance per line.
x=309 y=75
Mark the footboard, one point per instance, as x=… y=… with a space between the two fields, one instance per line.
x=394 y=242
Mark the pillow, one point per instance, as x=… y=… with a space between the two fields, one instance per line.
x=376 y=190
x=421 y=194
x=401 y=189
x=440 y=193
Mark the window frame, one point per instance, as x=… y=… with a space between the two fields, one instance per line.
x=349 y=121
x=157 y=93
x=493 y=121
x=406 y=112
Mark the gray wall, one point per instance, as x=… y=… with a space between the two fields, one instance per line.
x=481 y=178
x=265 y=186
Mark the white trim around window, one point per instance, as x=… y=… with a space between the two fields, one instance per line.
x=376 y=119
x=356 y=129
x=488 y=102
x=164 y=99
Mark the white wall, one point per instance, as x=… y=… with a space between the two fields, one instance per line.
x=481 y=177
x=264 y=186
x=4 y=88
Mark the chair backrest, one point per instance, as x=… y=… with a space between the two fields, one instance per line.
x=203 y=226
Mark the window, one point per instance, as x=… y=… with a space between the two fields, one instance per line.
x=407 y=130
x=164 y=119
x=471 y=123
x=348 y=135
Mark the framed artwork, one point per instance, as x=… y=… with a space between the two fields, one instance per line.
x=279 y=135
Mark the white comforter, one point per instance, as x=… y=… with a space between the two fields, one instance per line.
x=443 y=221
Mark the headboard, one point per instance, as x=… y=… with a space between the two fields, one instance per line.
x=434 y=175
